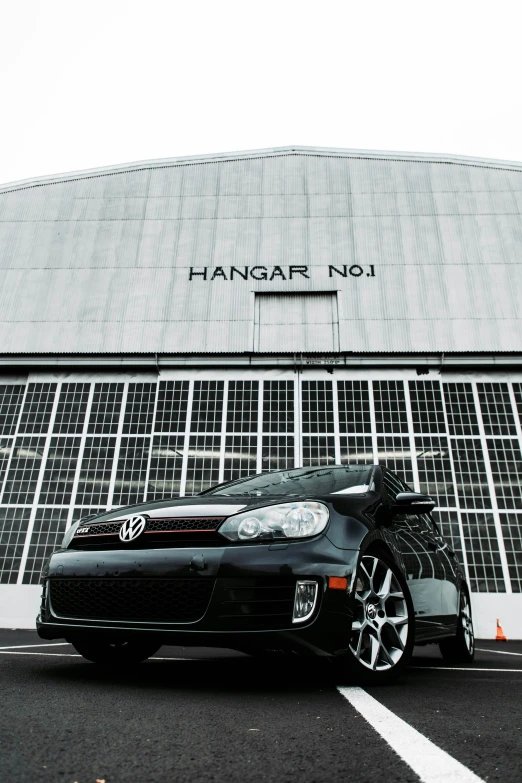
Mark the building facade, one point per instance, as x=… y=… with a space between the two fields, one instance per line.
x=168 y=325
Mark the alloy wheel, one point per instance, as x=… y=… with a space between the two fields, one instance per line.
x=380 y=625
x=467 y=622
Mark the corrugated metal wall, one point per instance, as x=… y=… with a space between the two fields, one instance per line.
x=285 y=323
x=428 y=254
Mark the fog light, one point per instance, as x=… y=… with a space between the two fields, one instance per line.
x=43 y=599
x=305 y=599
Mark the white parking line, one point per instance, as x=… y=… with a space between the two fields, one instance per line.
x=43 y=644
x=48 y=655
x=427 y=760
x=498 y=652
x=11 y=651
x=464 y=669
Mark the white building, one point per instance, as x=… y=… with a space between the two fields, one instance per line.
x=170 y=324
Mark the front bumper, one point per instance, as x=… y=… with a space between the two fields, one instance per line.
x=249 y=591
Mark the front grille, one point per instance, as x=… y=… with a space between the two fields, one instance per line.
x=200 y=524
x=182 y=531
x=153 y=600
x=256 y=603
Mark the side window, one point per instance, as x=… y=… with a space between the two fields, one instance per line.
x=393 y=485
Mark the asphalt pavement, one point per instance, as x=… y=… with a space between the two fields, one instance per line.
x=204 y=715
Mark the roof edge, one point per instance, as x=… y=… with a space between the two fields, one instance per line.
x=416 y=360
x=413 y=157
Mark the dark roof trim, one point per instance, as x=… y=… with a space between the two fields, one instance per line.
x=452 y=362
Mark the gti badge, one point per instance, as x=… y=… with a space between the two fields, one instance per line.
x=132 y=528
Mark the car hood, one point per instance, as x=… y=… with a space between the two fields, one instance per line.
x=195 y=506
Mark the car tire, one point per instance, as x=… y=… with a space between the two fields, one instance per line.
x=461 y=647
x=115 y=653
x=383 y=627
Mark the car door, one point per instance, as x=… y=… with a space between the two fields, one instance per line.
x=450 y=594
x=415 y=540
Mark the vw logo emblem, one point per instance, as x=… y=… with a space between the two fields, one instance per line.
x=132 y=528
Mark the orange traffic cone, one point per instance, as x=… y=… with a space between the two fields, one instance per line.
x=501 y=636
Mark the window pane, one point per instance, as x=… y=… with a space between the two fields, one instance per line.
x=356 y=450
x=506 y=466
x=497 y=412
x=460 y=407
x=278 y=406
x=207 y=407
x=71 y=409
x=480 y=539
x=318 y=450
x=22 y=476
x=131 y=472
x=165 y=467
x=203 y=463
x=240 y=456
x=517 y=389
x=13 y=530
x=317 y=406
x=277 y=453
x=426 y=406
x=354 y=406
x=6 y=445
x=512 y=534
x=10 y=404
x=171 y=415
x=390 y=406
x=49 y=527
x=59 y=472
x=38 y=406
x=105 y=408
x=139 y=410
x=95 y=472
x=470 y=473
x=242 y=406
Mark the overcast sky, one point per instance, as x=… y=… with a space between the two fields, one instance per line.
x=99 y=83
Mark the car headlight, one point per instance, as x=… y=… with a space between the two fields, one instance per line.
x=69 y=534
x=285 y=520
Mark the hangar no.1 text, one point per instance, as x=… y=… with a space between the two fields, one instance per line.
x=270 y=273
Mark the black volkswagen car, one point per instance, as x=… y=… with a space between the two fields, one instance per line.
x=342 y=561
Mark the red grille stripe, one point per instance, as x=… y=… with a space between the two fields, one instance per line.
x=212 y=530
x=154 y=532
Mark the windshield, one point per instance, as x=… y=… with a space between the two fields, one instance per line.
x=301 y=481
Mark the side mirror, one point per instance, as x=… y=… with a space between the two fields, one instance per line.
x=412 y=503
